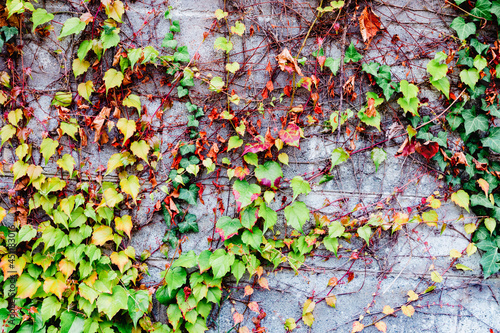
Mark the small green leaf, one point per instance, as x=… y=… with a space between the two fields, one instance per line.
x=351 y=54
x=48 y=148
x=339 y=156
x=378 y=156
x=469 y=77
x=133 y=101
x=300 y=186
x=223 y=44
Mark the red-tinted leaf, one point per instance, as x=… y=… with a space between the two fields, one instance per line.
x=428 y=149
x=291 y=136
x=257 y=147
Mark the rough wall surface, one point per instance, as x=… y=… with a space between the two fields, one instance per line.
x=395 y=263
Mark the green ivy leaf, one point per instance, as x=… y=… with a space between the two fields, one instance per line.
x=469 y=77
x=189 y=195
x=40 y=16
x=221 y=262
x=71 y=322
x=67 y=163
x=490 y=262
x=252 y=238
x=238 y=29
x=182 y=54
x=339 y=156
x=227 y=227
x=131 y=186
x=300 y=186
x=474 y=122
x=238 y=269
x=216 y=84
x=234 y=142
x=297 y=214
x=332 y=64
x=365 y=233
x=442 y=85
x=186 y=260
x=72 y=26
x=223 y=44
x=111 y=304
x=482 y=9
x=436 y=68
x=140 y=149
x=378 y=156
x=175 y=278
x=351 y=54
x=492 y=141
x=409 y=102
x=463 y=30
x=189 y=224
x=269 y=215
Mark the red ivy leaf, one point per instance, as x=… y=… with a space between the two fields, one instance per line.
x=257 y=147
x=428 y=149
x=291 y=135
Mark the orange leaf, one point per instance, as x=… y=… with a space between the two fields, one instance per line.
x=244 y=329
x=485 y=186
x=408 y=310
x=263 y=283
x=370 y=110
x=288 y=63
x=331 y=300
x=369 y=24
x=248 y=291
x=357 y=327
x=381 y=326
x=333 y=281
x=237 y=317
x=254 y=307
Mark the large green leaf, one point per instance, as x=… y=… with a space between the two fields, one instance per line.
x=492 y=141
x=351 y=54
x=72 y=26
x=490 y=262
x=221 y=262
x=71 y=322
x=463 y=29
x=40 y=16
x=175 y=278
x=474 y=122
x=111 y=304
x=297 y=214
x=189 y=195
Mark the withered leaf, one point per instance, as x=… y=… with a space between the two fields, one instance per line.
x=369 y=24
x=288 y=63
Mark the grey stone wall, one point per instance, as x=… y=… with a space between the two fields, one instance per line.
x=396 y=263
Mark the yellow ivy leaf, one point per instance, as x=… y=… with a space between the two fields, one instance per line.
x=112 y=79
x=7 y=268
x=7 y=132
x=115 y=11
x=436 y=277
x=55 y=285
x=470 y=228
x=14 y=116
x=408 y=310
x=119 y=259
x=140 y=149
x=387 y=310
x=308 y=306
x=131 y=186
x=66 y=267
x=220 y=14
x=126 y=127
x=133 y=101
x=114 y=162
x=357 y=327
x=455 y=253
x=331 y=300
x=27 y=286
x=86 y=89
x=283 y=158
x=124 y=224
x=412 y=296
x=381 y=326
x=461 y=198
x=80 y=66
x=471 y=249
x=463 y=267
x=308 y=319
x=3 y=213
x=67 y=163
x=290 y=324
x=485 y=186
x=112 y=197
x=101 y=235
